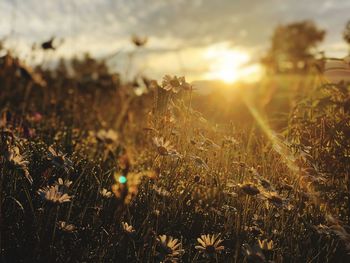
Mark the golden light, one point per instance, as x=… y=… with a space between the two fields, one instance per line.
x=229 y=65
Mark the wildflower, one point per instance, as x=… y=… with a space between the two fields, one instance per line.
x=161 y=99
x=128 y=229
x=163 y=147
x=64 y=226
x=265 y=245
x=52 y=194
x=169 y=249
x=175 y=84
x=210 y=245
x=63 y=183
x=253 y=254
x=17 y=161
x=59 y=159
x=107 y=136
x=105 y=193
x=249 y=189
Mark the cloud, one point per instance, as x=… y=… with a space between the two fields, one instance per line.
x=192 y=22
x=102 y=27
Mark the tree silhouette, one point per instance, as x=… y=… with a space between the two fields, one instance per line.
x=293 y=47
x=346 y=34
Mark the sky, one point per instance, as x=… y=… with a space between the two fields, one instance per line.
x=196 y=38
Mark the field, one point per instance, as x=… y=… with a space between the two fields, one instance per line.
x=92 y=171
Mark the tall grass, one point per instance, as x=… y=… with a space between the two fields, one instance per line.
x=267 y=179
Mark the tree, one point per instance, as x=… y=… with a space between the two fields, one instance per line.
x=293 y=47
x=346 y=34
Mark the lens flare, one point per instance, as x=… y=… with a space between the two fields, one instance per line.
x=122 y=179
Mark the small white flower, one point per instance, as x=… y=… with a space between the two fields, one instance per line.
x=164 y=147
x=52 y=194
x=169 y=249
x=66 y=182
x=105 y=193
x=59 y=159
x=175 y=84
x=128 y=229
x=64 y=226
x=210 y=244
x=17 y=161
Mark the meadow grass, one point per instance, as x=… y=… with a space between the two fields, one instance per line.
x=93 y=173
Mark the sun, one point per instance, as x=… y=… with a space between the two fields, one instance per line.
x=227 y=64
x=225 y=70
